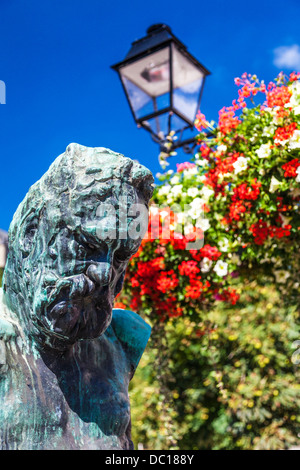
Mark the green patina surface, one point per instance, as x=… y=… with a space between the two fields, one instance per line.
x=66 y=358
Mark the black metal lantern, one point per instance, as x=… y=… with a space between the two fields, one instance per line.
x=163 y=83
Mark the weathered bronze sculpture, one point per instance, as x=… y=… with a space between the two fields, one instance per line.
x=66 y=357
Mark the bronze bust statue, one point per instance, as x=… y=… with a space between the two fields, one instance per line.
x=66 y=356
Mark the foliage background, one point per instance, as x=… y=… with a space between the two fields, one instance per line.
x=236 y=388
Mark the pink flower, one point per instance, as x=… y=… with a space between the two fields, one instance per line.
x=184 y=166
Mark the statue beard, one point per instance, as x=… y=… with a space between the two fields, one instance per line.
x=76 y=308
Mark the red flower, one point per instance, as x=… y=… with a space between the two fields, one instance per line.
x=236 y=209
x=194 y=290
x=226 y=165
x=280 y=232
x=294 y=76
x=290 y=168
x=119 y=305
x=204 y=150
x=188 y=268
x=228 y=120
x=278 y=96
x=260 y=231
x=146 y=268
x=167 y=281
x=179 y=243
x=284 y=133
x=135 y=282
x=246 y=192
x=210 y=252
x=228 y=295
x=200 y=122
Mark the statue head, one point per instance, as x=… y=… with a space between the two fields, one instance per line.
x=70 y=242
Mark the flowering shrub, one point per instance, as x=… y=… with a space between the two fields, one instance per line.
x=241 y=195
x=252 y=166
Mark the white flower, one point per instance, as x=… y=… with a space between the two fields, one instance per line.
x=240 y=165
x=295 y=98
x=281 y=142
x=298 y=176
x=267 y=109
x=205 y=265
x=188 y=229
x=194 y=212
x=206 y=193
x=275 y=184
x=223 y=176
x=204 y=224
x=193 y=192
x=297 y=110
x=221 y=268
x=223 y=245
x=294 y=142
x=281 y=276
x=276 y=118
x=197 y=203
x=176 y=190
x=190 y=172
x=200 y=161
x=164 y=190
x=221 y=148
x=264 y=150
x=195 y=208
x=175 y=179
x=180 y=218
x=200 y=178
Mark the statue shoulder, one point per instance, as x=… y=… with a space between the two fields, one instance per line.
x=133 y=333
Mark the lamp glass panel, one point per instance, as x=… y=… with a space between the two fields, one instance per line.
x=187 y=84
x=141 y=103
x=159 y=125
x=177 y=124
x=150 y=75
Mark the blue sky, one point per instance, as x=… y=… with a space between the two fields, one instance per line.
x=55 y=58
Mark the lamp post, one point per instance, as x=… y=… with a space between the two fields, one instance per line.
x=163 y=84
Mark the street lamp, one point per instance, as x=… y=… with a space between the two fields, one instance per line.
x=163 y=83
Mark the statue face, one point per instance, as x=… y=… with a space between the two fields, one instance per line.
x=75 y=256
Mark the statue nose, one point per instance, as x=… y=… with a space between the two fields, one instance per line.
x=100 y=273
